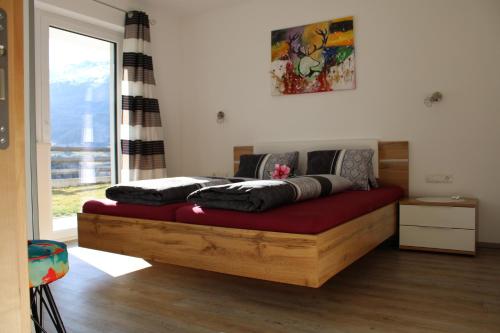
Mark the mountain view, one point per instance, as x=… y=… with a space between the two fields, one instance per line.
x=80 y=114
x=80 y=72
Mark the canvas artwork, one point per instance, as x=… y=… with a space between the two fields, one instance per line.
x=313 y=58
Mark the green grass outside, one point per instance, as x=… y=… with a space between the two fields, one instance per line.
x=68 y=201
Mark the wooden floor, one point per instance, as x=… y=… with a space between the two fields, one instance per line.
x=386 y=291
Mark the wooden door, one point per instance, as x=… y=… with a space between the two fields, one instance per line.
x=14 y=299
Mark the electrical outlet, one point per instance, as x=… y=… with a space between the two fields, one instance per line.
x=441 y=179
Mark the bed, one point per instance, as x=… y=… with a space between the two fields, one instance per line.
x=206 y=239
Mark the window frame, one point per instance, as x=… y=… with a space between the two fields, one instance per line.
x=44 y=20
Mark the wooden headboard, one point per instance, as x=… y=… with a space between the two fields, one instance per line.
x=393 y=162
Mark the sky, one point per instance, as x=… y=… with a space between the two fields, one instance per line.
x=74 y=58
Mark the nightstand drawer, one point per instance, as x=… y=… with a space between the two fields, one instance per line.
x=438 y=216
x=438 y=238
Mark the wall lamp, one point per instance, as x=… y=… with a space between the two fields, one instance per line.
x=434 y=98
x=221 y=116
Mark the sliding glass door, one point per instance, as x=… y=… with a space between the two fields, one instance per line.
x=82 y=112
x=77 y=139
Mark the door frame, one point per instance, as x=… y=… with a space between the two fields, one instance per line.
x=43 y=21
x=14 y=286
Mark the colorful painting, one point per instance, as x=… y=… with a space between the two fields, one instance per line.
x=313 y=58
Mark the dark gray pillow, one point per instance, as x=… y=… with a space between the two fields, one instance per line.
x=353 y=164
x=261 y=166
x=371 y=176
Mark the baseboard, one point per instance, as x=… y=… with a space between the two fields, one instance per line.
x=391 y=242
x=486 y=245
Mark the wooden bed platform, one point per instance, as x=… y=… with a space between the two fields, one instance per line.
x=305 y=260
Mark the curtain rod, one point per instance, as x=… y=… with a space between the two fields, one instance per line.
x=152 y=21
x=110 y=6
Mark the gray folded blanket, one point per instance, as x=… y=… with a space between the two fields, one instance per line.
x=162 y=191
x=260 y=195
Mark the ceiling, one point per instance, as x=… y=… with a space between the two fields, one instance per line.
x=190 y=7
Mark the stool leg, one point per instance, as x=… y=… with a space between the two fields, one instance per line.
x=45 y=304
x=53 y=311
x=40 y=306
x=35 y=315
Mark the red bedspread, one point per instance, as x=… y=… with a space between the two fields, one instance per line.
x=113 y=208
x=307 y=217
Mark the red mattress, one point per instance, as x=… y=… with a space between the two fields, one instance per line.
x=307 y=217
x=113 y=208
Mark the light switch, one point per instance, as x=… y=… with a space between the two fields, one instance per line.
x=441 y=179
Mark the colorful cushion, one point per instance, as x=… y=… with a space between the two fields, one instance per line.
x=262 y=166
x=48 y=261
x=353 y=164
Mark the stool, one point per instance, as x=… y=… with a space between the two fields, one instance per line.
x=48 y=262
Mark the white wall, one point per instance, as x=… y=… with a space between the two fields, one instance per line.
x=166 y=58
x=165 y=38
x=405 y=50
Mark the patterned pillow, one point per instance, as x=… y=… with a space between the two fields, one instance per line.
x=261 y=166
x=353 y=164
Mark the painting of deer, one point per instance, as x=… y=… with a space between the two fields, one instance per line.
x=313 y=58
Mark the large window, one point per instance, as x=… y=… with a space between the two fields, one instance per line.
x=77 y=116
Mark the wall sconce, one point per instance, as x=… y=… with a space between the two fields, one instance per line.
x=221 y=116
x=434 y=98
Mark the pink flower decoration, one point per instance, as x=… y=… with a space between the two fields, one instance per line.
x=280 y=171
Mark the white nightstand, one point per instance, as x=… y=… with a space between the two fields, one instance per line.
x=438 y=226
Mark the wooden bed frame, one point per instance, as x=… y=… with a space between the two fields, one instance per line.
x=299 y=259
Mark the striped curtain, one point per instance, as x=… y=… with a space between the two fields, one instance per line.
x=141 y=132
